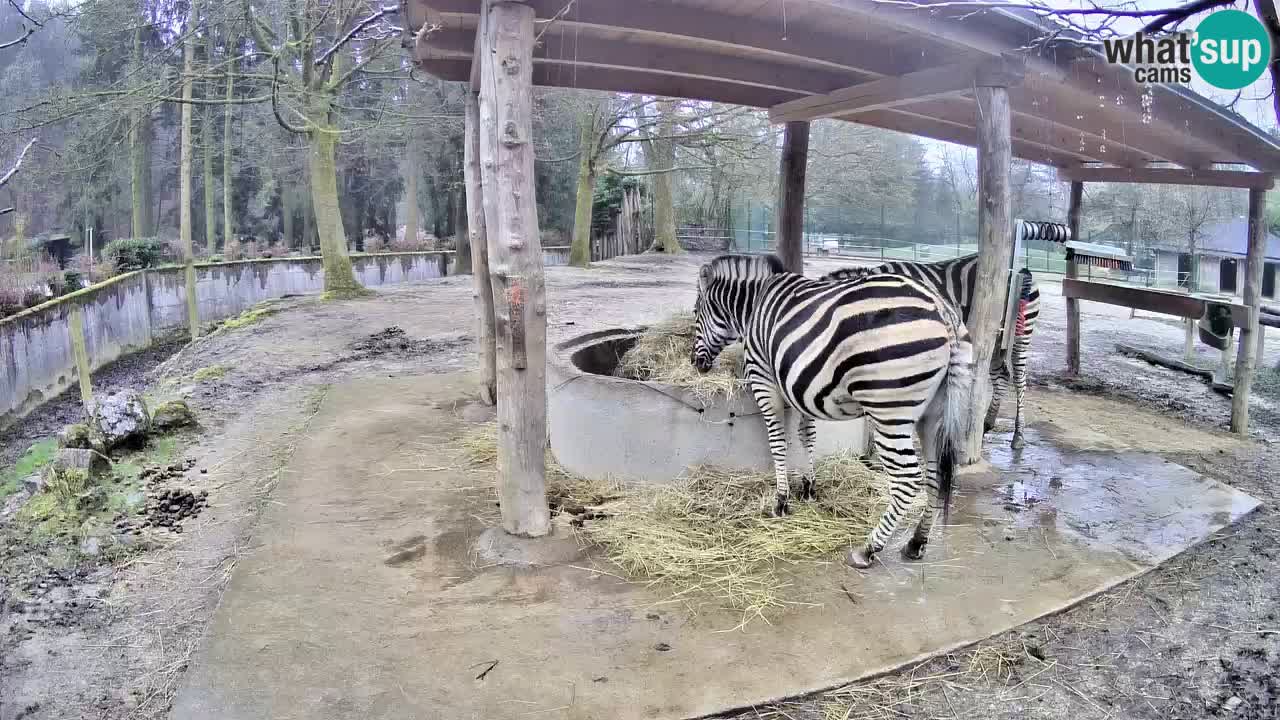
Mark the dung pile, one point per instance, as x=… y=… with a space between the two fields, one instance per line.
x=661 y=354
x=169 y=508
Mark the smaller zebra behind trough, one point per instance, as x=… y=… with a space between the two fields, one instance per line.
x=885 y=347
x=957 y=280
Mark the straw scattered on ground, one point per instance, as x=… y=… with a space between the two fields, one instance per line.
x=661 y=354
x=707 y=537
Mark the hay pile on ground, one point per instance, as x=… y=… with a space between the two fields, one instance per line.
x=661 y=354
x=707 y=536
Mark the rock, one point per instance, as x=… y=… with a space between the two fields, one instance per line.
x=119 y=418
x=171 y=415
x=91 y=546
x=75 y=436
x=95 y=465
x=33 y=483
x=1232 y=703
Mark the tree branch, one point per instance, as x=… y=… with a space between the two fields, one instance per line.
x=356 y=30
x=275 y=102
x=29 y=32
x=23 y=13
x=1176 y=15
x=4 y=180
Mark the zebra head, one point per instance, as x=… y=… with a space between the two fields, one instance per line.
x=727 y=287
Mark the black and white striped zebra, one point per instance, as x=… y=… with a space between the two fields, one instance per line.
x=885 y=347
x=957 y=279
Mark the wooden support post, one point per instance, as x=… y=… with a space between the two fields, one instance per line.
x=80 y=349
x=1189 y=342
x=1245 y=358
x=995 y=243
x=515 y=263
x=791 y=174
x=1260 y=346
x=1073 y=305
x=482 y=288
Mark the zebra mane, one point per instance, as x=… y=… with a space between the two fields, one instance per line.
x=742 y=267
x=851 y=273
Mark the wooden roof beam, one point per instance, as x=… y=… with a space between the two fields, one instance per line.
x=704 y=27
x=1169 y=176
x=904 y=121
x=568 y=50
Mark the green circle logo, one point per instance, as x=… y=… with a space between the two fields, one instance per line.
x=1232 y=49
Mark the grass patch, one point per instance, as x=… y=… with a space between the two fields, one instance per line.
x=212 y=372
x=661 y=354
x=354 y=293
x=160 y=450
x=249 y=317
x=706 y=537
x=36 y=457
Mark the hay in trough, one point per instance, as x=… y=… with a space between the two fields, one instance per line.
x=661 y=354
x=707 y=537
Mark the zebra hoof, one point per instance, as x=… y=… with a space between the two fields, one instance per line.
x=808 y=489
x=782 y=507
x=1018 y=443
x=860 y=558
x=914 y=549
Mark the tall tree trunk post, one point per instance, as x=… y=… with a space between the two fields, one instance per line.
x=580 y=245
x=209 y=145
x=481 y=283
x=339 y=279
x=139 y=155
x=228 y=225
x=184 y=183
x=664 y=214
x=411 y=173
x=461 y=231
x=1073 y=305
x=994 y=248
x=1246 y=358
x=286 y=215
x=515 y=256
x=791 y=177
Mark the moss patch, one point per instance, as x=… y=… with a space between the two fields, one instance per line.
x=249 y=317
x=213 y=372
x=346 y=294
x=36 y=457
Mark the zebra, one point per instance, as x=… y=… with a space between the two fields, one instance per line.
x=885 y=347
x=956 y=279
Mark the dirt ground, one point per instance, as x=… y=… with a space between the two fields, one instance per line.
x=84 y=638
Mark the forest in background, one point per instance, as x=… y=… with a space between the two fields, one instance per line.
x=309 y=126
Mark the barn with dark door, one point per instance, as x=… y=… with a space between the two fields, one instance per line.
x=1217 y=265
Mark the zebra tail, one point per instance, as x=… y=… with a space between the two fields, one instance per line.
x=957 y=399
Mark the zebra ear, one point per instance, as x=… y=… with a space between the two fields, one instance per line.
x=705 y=273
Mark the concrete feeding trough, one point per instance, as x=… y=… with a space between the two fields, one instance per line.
x=602 y=425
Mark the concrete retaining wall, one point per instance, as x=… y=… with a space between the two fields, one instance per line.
x=126 y=313
x=603 y=426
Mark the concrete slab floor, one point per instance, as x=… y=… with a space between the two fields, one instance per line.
x=362 y=598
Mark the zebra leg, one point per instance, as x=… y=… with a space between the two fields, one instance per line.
x=999 y=386
x=808 y=436
x=915 y=547
x=898 y=454
x=773 y=409
x=1019 y=387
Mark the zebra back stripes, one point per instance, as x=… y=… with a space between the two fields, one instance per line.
x=956 y=279
x=885 y=347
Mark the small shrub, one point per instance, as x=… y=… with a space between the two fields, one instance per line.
x=11 y=301
x=128 y=254
x=72 y=280
x=232 y=251
x=375 y=245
